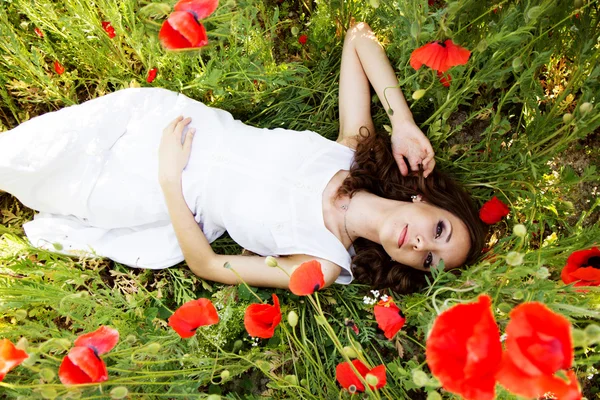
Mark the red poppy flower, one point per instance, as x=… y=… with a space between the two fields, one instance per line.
x=39 y=32
x=583 y=268
x=538 y=345
x=261 y=320
x=439 y=56
x=151 y=75
x=10 y=357
x=83 y=364
x=58 y=68
x=108 y=28
x=463 y=349
x=199 y=8
x=493 y=211
x=389 y=317
x=307 y=278
x=302 y=39
x=348 y=379
x=445 y=79
x=182 y=31
x=192 y=315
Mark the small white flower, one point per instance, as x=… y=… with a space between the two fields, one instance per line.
x=385 y=297
x=375 y=293
x=367 y=300
x=503 y=337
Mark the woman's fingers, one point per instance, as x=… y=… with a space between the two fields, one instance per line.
x=187 y=144
x=181 y=126
x=172 y=124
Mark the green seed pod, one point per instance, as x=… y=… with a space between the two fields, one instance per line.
x=434 y=396
x=519 y=230
x=504 y=308
x=131 y=339
x=579 y=337
x=517 y=64
x=518 y=295
x=237 y=346
x=350 y=352
x=225 y=374
x=372 y=380
x=417 y=94
x=295 y=30
x=514 y=258
x=567 y=117
x=292 y=318
x=304 y=382
x=20 y=315
x=271 y=262
x=482 y=46
x=153 y=348
x=592 y=334
x=120 y=392
x=48 y=393
x=534 y=12
x=420 y=378
x=47 y=374
x=586 y=107
x=291 y=379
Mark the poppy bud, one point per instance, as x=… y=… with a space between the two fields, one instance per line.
x=153 y=348
x=520 y=230
x=518 y=295
x=271 y=262
x=371 y=380
x=420 y=378
x=417 y=94
x=47 y=374
x=131 y=339
x=592 y=334
x=504 y=308
x=213 y=397
x=567 y=117
x=374 y=3
x=482 y=46
x=542 y=273
x=295 y=30
x=237 y=345
x=225 y=375
x=120 y=392
x=586 y=107
x=415 y=29
x=48 y=393
x=320 y=320
x=22 y=344
x=350 y=352
x=517 y=64
x=434 y=396
x=20 y=315
x=291 y=379
x=534 y=12
x=579 y=337
x=292 y=318
x=514 y=258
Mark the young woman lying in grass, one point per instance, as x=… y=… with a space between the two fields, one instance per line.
x=105 y=181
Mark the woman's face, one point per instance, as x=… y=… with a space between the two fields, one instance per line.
x=420 y=235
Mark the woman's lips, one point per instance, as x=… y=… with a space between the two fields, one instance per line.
x=402 y=236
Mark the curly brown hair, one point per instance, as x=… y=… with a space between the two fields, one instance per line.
x=375 y=170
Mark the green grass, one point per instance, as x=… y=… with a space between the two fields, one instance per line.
x=498 y=128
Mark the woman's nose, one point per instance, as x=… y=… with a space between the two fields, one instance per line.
x=418 y=243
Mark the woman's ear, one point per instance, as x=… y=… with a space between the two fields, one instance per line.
x=417 y=199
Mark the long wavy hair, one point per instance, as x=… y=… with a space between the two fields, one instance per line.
x=375 y=170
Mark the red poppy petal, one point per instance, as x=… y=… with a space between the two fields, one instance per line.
x=493 y=211
x=463 y=349
x=71 y=374
x=587 y=274
x=431 y=54
x=581 y=257
x=171 y=39
x=538 y=340
x=86 y=360
x=347 y=377
x=58 y=68
x=193 y=31
x=445 y=79
x=192 y=315
x=261 y=320
x=10 y=357
x=102 y=340
x=389 y=319
x=200 y=8
x=455 y=55
x=379 y=373
x=307 y=278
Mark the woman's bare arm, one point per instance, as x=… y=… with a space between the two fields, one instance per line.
x=364 y=61
x=198 y=253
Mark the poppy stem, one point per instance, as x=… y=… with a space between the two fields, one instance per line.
x=228 y=266
x=444 y=289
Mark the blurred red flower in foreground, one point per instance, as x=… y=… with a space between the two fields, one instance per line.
x=348 y=379
x=192 y=315
x=389 y=317
x=493 y=211
x=538 y=345
x=183 y=30
x=39 y=32
x=302 y=39
x=152 y=75
x=58 y=68
x=10 y=357
x=463 y=349
x=445 y=79
x=439 y=56
x=108 y=28
x=583 y=268
x=261 y=320
x=83 y=364
x=307 y=278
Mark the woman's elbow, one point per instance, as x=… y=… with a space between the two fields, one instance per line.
x=330 y=274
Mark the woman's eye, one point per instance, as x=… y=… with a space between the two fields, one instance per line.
x=439 y=229
x=428 y=261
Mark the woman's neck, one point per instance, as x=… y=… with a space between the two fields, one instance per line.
x=366 y=214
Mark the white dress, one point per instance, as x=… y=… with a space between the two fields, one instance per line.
x=91 y=170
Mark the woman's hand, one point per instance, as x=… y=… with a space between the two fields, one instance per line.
x=408 y=141
x=173 y=155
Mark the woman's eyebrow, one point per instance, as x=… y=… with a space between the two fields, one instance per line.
x=450 y=234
